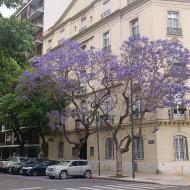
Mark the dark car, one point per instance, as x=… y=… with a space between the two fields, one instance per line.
x=17 y=168
x=39 y=168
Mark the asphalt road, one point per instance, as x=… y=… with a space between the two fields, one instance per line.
x=10 y=182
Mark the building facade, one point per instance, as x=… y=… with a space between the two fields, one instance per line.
x=33 y=10
x=9 y=143
x=106 y=24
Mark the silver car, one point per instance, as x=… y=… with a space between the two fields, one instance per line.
x=12 y=160
x=70 y=168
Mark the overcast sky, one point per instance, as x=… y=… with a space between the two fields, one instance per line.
x=6 y=12
x=53 y=10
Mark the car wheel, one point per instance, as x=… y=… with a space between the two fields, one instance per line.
x=87 y=174
x=51 y=177
x=34 y=173
x=63 y=175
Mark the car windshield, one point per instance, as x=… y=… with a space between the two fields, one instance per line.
x=10 y=159
x=64 y=163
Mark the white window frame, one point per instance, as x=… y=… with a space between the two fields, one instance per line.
x=135 y=27
x=83 y=22
x=175 y=110
x=139 y=148
x=109 y=149
x=180 y=147
x=61 y=36
x=173 y=16
x=107 y=110
x=106 y=7
x=106 y=39
x=136 y=107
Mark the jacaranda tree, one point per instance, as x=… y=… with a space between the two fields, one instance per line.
x=64 y=75
x=155 y=71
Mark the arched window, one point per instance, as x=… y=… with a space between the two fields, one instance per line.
x=109 y=148
x=60 y=150
x=180 y=148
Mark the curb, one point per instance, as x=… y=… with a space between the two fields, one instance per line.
x=123 y=180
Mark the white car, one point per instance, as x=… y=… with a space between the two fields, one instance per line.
x=12 y=160
x=70 y=168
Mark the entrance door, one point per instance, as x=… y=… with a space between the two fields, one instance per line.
x=83 y=152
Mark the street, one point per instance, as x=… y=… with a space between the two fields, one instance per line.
x=10 y=182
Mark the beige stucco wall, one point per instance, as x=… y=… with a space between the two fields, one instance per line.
x=165 y=135
x=158 y=157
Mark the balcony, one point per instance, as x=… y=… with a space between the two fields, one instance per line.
x=106 y=13
x=106 y=118
x=83 y=28
x=174 y=31
x=60 y=41
x=39 y=37
x=107 y=48
x=36 y=12
x=130 y=1
x=39 y=26
x=182 y=115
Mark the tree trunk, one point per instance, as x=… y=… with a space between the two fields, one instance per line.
x=119 y=172
x=44 y=146
x=19 y=136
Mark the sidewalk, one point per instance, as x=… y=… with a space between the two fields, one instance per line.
x=148 y=178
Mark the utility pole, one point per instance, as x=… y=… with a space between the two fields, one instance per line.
x=132 y=133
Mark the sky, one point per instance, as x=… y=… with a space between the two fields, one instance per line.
x=6 y=12
x=53 y=10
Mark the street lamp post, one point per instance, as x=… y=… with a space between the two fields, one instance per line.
x=132 y=133
x=94 y=105
x=98 y=143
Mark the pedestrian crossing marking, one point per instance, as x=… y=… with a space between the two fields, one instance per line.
x=148 y=186
x=130 y=186
x=121 y=188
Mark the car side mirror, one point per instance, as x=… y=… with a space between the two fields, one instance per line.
x=70 y=165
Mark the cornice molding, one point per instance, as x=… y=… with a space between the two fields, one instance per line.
x=119 y=13
x=59 y=23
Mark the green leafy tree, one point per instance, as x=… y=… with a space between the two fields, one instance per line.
x=10 y=71
x=35 y=114
x=17 y=40
x=10 y=116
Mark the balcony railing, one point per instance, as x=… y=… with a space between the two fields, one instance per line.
x=106 y=13
x=36 y=12
x=60 y=41
x=83 y=28
x=174 y=31
x=130 y=1
x=107 y=48
x=178 y=116
x=106 y=118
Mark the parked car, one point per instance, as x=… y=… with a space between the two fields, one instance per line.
x=70 y=168
x=24 y=169
x=15 y=168
x=39 y=168
x=12 y=160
